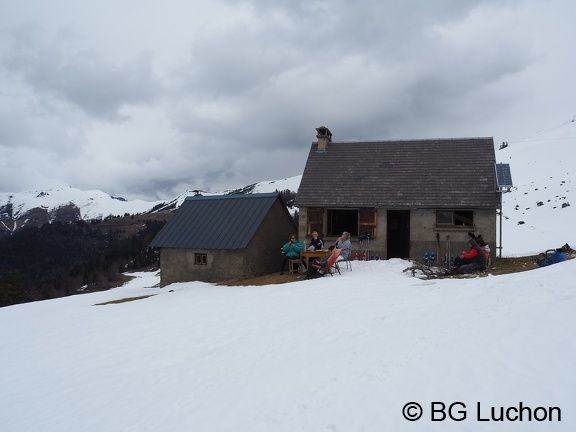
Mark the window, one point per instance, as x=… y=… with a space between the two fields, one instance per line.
x=342 y=220
x=200 y=259
x=457 y=218
x=355 y=221
x=444 y=218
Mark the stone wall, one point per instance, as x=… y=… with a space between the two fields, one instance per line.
x=423 y=231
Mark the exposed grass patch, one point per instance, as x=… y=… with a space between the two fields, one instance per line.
x=267 y=279
x=499 y=266
x=511 y=265
x=124 y=300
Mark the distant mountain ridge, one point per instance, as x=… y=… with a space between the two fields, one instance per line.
x=67 y=204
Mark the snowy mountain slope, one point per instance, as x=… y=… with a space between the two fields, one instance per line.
x=290 y=183
x=97 y=204
x=343 y=353
x=540 y=212
x=92 y=204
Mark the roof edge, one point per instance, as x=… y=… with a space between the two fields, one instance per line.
x=234 y=196
x=412 y=140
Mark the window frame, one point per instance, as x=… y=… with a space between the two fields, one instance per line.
x=200 y=259
x=455 y=218
x=335 y=227
x=320 y=219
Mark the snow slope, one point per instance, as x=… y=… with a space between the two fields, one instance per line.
x=342 y=353
x=290 y=183
x=543 y=172
x=93 y=204
x=96 y=204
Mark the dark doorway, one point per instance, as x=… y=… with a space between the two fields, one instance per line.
x=398 y=234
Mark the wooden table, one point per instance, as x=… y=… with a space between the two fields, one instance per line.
x=309 y=255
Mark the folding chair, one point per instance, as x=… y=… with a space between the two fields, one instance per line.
x=348 y=262
x=326 y=267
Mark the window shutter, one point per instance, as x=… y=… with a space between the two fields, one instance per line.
x=368 y=218
x=315 y=221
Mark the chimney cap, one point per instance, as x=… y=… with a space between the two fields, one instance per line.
x=324 y=137
x=324 y=132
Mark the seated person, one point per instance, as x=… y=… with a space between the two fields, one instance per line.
x=557 y=256
x=474 y=260
x=344 y=243
x=478 y=239
x=322 y=267
x=291 y=251
x=316 y=242
x=483 y=245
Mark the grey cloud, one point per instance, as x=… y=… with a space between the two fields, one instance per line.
x=235 y=93
x=30 y=122
x=79 y=75
x=388 y=44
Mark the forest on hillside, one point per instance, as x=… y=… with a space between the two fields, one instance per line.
x=64 y=258
x=61 y=259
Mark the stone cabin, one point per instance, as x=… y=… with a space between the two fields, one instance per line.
x=407 y=196
x=216 y=238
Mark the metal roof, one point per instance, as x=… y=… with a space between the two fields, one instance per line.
x=432 y=173
x=216 y=222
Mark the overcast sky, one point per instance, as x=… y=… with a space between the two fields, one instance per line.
x=146 y=99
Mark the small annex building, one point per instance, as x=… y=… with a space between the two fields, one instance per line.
x=217 y=238
x=406 y=196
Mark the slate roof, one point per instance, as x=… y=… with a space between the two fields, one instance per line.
x=216 y=222
x=433 y=173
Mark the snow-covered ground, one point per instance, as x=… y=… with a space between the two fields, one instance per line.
x=343 y=353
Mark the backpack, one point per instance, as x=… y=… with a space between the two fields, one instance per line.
x=486 y=250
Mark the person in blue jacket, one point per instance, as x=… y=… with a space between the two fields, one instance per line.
x=291 y=251
x=557 y=256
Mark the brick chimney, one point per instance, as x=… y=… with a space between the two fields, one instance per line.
x=324 y=137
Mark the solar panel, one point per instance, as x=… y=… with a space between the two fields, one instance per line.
x=503 y=175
